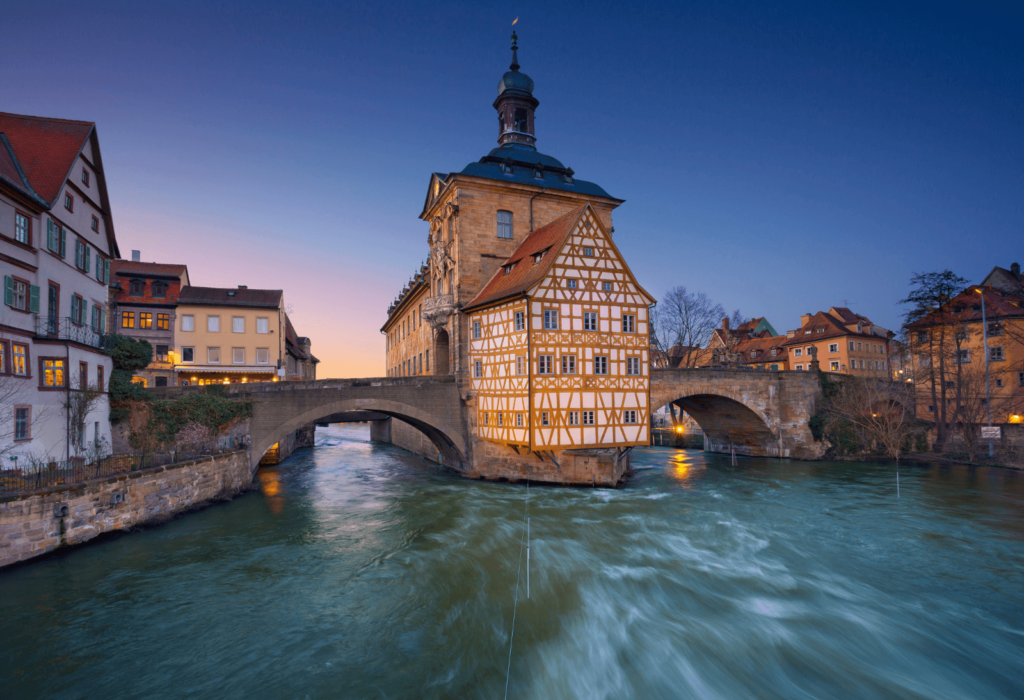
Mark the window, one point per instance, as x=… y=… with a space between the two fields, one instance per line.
x=83 y=374
x=931 y=408
x=628 y=323
x=95 y=225
x=546 y=364
x=504 y=224
x=568 y=364
x=478 y=369
x=922 y=336
x=238 y=356
x=588 y=252
x=588 y=417
x=590 y=320
x=810 y=350
x=995 y=328
x=128 y=320
x=263 y=356
x=606 y=286
x=550 y=320
x=775 y=352
x=484 y=418
x=544 y=418
x=924 y=360
x=99 y=377
x=188 y=323
x=834 y=366
x=476 y=330
x=537 y=257
x=633 y=366
x=996 y=353
x=799 y=367
x=820 y=330
x=859 y=347
x=213 y=356
x=851 y=345
x=833 y=347
x=53 y=372
x=78 y=307
x=19 y=359
x=17 y=293
x=629 y=416
x=137 y=288
x=600 y=364
x=798 y=352
x=501 y=421
x=85 y=177
x=145 y=319
x=22 y=422
x=571 y=284
x=509 y=268
x=213 y=324
x=964 y=356
x=520 y=320
x=158 y=289
x=188 y=355
x=753 y=354
x=69 y=201
x=22 y=228
x=519 y=420
x=262 y=325
x=161 y=353
x=521 y=364
x=237 y=324
x=163 y=321
x=56 y=237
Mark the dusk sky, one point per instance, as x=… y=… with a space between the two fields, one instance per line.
x=783 y=160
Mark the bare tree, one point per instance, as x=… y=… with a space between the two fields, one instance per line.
x=737 y=319
x=682 y=324
x=880 y=413
x=18 y=415
x=78 y=404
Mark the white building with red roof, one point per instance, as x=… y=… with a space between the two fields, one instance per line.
x=56 y=244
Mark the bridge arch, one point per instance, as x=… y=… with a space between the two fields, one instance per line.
x=447 y=438
x=728 y=421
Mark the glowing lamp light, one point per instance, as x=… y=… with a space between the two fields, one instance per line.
x=1016 y=418
x=679 y=429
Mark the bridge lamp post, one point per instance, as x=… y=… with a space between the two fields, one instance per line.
x=988 y=387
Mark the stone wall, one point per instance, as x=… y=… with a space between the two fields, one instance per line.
x=31 y=523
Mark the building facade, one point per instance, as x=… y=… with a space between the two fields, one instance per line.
x=844 y=343
x=478 y=219
x=56 y=245
x=144 y=299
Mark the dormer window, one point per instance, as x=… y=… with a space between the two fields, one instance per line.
x=567 y=177
x=506 y=167
x=137 y=288
x=807 y=332
x=159 y=289
x=775 y=352
x=537 y=257
x=538 y=173
x=820 y=330
x=753 y=354
x=508 y=268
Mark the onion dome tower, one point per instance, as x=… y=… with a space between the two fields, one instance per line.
x=515 y=105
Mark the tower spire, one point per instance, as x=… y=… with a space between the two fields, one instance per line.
x=515 y=49
x=515 y=103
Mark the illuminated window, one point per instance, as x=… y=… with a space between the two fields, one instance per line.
x=19 y=359
x=545 y=364
x=504 y=224
x=128 y=319
x=53 y=373
x=834 y=366
x=163 y=321
x=568 y=364
x=600 y=364
x=145 y=319
x=628 y=323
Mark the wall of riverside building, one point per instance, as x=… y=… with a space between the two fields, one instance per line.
x=29 y=527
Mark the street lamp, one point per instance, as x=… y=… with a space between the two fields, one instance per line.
x=988 y=388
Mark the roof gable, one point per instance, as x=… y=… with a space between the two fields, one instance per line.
x=46 y=149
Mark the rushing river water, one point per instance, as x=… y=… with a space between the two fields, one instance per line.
x=359 y=570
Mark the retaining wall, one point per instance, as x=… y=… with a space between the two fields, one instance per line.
x=31 y=524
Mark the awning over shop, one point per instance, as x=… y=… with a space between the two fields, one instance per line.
x=186 y=369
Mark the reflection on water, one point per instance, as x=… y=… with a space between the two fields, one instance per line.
x=358 y=570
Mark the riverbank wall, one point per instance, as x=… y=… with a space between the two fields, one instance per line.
x=38 y=522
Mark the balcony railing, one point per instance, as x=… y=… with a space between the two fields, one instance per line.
x=65 y=329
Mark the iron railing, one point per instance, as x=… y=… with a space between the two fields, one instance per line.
x=66 y=329
x=71 y=471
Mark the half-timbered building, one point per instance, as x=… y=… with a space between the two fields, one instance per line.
x=559 y=343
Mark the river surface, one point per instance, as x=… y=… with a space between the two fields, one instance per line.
x=361 y=571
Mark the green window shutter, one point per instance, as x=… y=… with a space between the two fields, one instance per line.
x=63 y=241
x=99 y=267
x=106 y=272
x=33 y=299
x=49 y=235
x=88 y=260
x=103 y=320
x=8 y=290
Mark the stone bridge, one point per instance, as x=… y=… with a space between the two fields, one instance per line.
x=759 y=413
x=754 y=412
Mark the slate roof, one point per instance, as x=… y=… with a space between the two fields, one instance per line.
x=231 y=296
x=524 y=161
x=966 y=307
x=526 y=273
x=45 y=148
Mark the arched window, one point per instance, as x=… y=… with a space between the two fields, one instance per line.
x=521 y=120
x=451 y=227
x=504 y=224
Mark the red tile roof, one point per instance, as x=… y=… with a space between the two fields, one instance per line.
x=966 y=307
x=130 y=267
x=45 y=148
x=525 y=272
x=231 y=296
x=291 y=338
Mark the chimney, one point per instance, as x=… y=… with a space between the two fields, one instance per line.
x=805 y=319
x=136 y=256
x=790 y=334
x=725 y=324
x=1015 y=270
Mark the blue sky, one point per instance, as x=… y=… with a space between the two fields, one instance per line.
x=781 y=159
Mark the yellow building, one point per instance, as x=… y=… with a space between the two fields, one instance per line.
x=846 y=343
x=408 y=337
x=230 y=335
x=559 y=343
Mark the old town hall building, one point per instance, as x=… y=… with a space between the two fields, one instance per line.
x=528 y=302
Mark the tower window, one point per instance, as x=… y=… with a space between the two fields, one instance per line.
x=504 y=224
x=520 y=116
x=506 y=167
